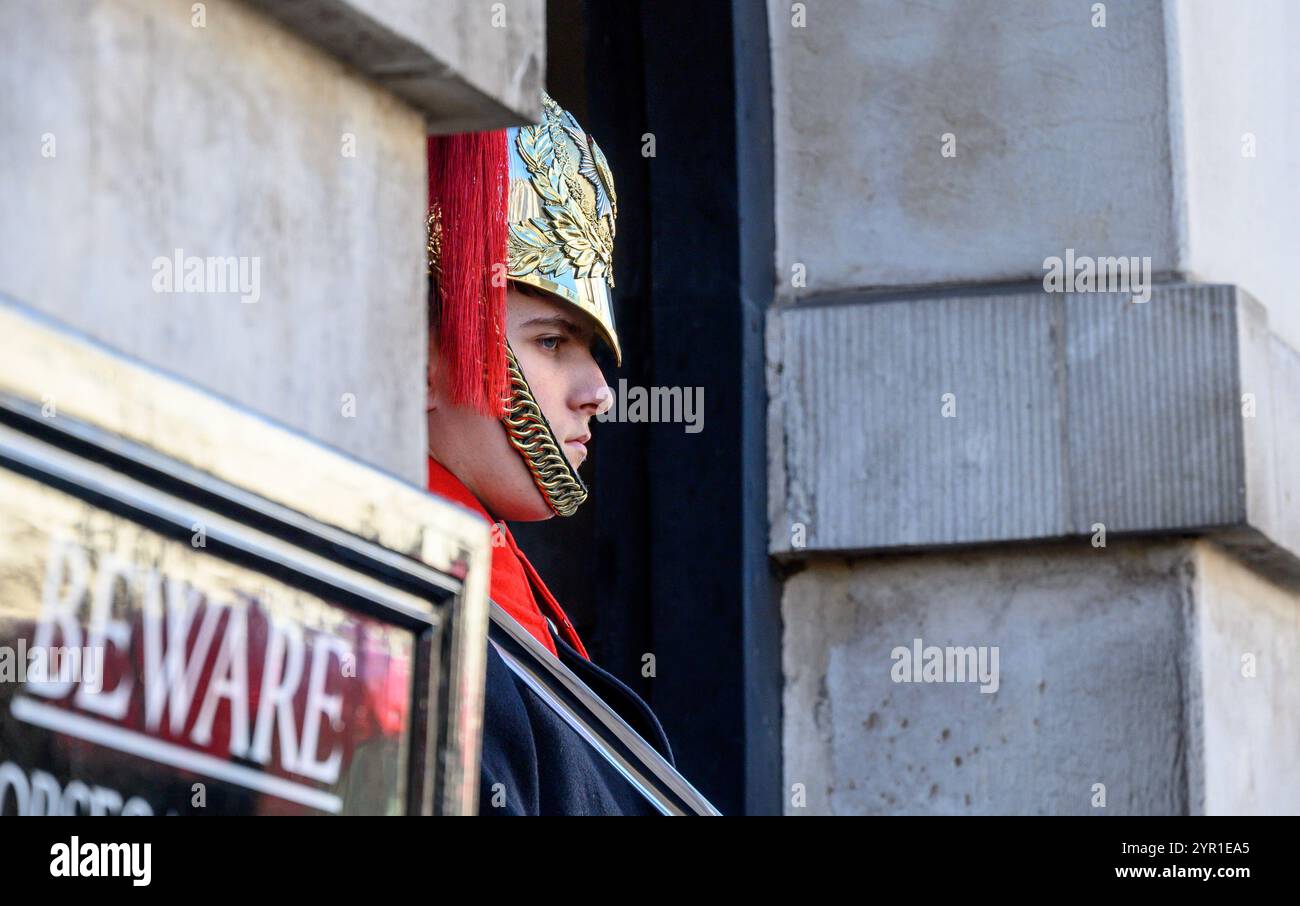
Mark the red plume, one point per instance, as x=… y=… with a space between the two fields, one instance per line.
x=469 y=181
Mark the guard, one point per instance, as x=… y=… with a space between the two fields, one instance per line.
x=521 y=236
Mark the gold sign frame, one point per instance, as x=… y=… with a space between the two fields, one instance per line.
x=93 y=418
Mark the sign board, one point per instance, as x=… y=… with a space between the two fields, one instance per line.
x=202 y=612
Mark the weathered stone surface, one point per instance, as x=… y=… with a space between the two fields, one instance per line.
x=1067 y=411
x=225 y=140
x=466 y=64
x=924 y=144
x=1061 y=132
x=1120 y=666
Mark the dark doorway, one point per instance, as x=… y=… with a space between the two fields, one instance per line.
x=669 y=556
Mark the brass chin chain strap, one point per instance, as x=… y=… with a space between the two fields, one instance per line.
x=532 y=437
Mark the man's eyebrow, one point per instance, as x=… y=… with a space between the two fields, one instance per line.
x=569 y=327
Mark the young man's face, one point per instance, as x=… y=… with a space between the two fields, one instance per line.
x=553 y=345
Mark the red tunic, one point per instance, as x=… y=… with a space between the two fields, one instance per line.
x=516 y=586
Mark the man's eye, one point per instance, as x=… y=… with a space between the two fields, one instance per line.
x=550 y=343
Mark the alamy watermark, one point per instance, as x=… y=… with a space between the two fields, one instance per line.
x=1085 y=274
x=953 y=664
x=674 y=405
x=48 y=664
x=75 y=859
x=183 y=273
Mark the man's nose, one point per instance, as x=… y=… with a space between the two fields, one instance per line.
x=592 y=396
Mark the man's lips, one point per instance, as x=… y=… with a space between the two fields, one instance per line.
x=579 y=444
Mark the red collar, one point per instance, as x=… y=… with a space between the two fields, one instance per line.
x=514 y=580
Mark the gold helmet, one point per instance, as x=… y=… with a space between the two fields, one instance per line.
x=561 y=212
x=542 y=197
